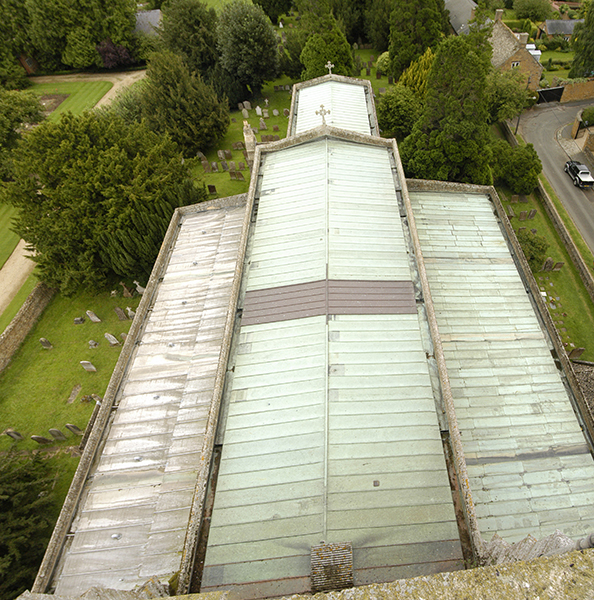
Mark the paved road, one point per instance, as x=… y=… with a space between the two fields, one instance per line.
x=548 y=128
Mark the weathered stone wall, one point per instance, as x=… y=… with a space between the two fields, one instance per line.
x=23 y=322
x=578 y=91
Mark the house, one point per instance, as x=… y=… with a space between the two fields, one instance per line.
x=511 y=51
x=461 y=13
x=148 y=22
x=562 y=27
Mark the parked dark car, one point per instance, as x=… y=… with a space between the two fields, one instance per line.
x=580 y=174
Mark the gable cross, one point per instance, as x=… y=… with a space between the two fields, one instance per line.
x=329 y=66
x=323 y=112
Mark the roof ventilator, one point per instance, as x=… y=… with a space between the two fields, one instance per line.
x=331 y=567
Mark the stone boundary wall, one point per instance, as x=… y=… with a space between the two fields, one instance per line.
x=96 y=437
x=16 y=332
x=578 y=91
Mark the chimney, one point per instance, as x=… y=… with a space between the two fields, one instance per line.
x=498 y=14
x=523 y=37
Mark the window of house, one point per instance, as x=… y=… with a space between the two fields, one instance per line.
x=515 y=64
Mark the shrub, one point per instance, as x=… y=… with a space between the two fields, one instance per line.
x=588 y=116
x=534 y=247
x=383 y=62
x=517 y=167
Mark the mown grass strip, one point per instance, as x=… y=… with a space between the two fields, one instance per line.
x=8 y=239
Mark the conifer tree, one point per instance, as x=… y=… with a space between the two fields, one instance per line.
x=583 y=45
x=415 y=77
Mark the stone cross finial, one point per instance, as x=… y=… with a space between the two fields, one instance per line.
x=329 y=66
x=323 y=112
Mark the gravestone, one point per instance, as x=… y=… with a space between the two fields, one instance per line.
x=228 y=155
x=287 y=88
x=120 y=313
x=139 y=288
x=130 y=312
x=200 y=155
x=286 y=112
x=240 y=176
x=247 y=105
x=232 y=166
x=214 y=167
x=266 y=102
x=221 y=154
x=57 y=434
x=371 y=58
x=15 y=435
x=275 y=112
x=233 y=120
x=79 y=320
x=88 y=366
x=263 y=125
x=128 y=292
x=212 y=189
x=265 y=114
x=112 y=339
x=515 y=198
x=233 y=175
x=370 y=64
x=93 y=316
x=74 y=429
x=523 y=215
x=258 y=111
x=45 y=343
x=245 y=154
x=275 y=128
x=378 y=74
x=523 y=198
x=206 y=166
x=534 y=231
x=93 y=344
x=276 y=88
x=368 y=71
x=245 y=113
x=382 y=91
x=224 y=165
x=124 y=336
x=41 y=440
x=548 y=264
x=558 y=266
x=390 y=80
x=532 y=213
x=576 y=353
x=241 y=166
x=275 y=138
x=510 y=212
x=240 y=106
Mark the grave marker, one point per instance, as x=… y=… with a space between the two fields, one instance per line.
x=79 y=320
x=214 y=167
x=93 y=316
x=548 y=264
x=232 y=166
x=88 y=366
x=240 y=106
x=258 y=111
x=224 y=165
x=263 y=125
x=45 y=343
x=532 y=213
x=40 y=439
x=241 y=166
x=265 y=114
x=558 y=266
x=275 y=128
x=221 y=155
x=240 y=176
x=130 y=312
x=74 y=429
x=523 y=215
x=247 y=105
x=57 y=434
x=228 y=155
x=233 y=175
x=15 y=435
x=112 y=339
x=286 y=112
x=275 y=112
x=206 y=166
x=245 y=113
x=120 y=313
x=212 y=189
x=93 y=344
x=510 y=212
x=515 y=198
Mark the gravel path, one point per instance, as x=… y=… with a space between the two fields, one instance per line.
x=18 y=267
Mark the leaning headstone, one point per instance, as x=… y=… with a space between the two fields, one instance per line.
x=390 y=80
x=93 y=316
x=206 y=166
x=120 y=313
x=88 y=366
x=258 y=111
x=212 y=189
x=263 y=125
x=139 y=288
x=15 y=435
x=57 y=434
x=558 y=266
x=532 y=213
x=523 y=198
x=45 y=343
x=286 y=112
x=510 y=212
x=265 y=114
x=232 y=166
x=240 y=106
x=576 y=353
x=515 y=198
x=128 y=292
x=368 y=71
x=275 y=128
x=275 y=112
x=245 y=113
x=240 y=176
x=79 y=320
x=41 y=440
x=241 y=166
x=523 y=215
x=214 y=167
x=74 y=429
x=112 y=339
x=130 y=312
x=200 y=155
x=224 y=165
x=233 y=175
x=221 y=154
x=247 y=105
x=228 y=155
x=548 y=264
x=93 y=344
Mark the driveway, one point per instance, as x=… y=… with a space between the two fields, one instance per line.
x=548 y=128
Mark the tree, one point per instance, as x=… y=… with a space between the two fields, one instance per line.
x=16 y=108
x=506 y=95
x=274 y=8
x=190 y=29
x=247 y=45
x=397 y=112
x=350 y=14
x=377 y=23
x=12 y=75
x=26 y=506
x=290 y=53
x=179 y=103
x=583 y=45
x=330 y=45
x=113 y=56
x=95 y=197
x=517 y=167
x=535 y=10
x=450 y=142
x=415 y=26
x=415 y=77
x=534 y=247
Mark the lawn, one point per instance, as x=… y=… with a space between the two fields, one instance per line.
x=82 y=95
x=8 y=239
x=36 y=386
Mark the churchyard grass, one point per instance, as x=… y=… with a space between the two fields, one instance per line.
x=36 y=386
x=82 y=95
x=573 y=313
x=8 y=239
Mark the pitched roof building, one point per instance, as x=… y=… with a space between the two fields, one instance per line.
x=340 y=378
